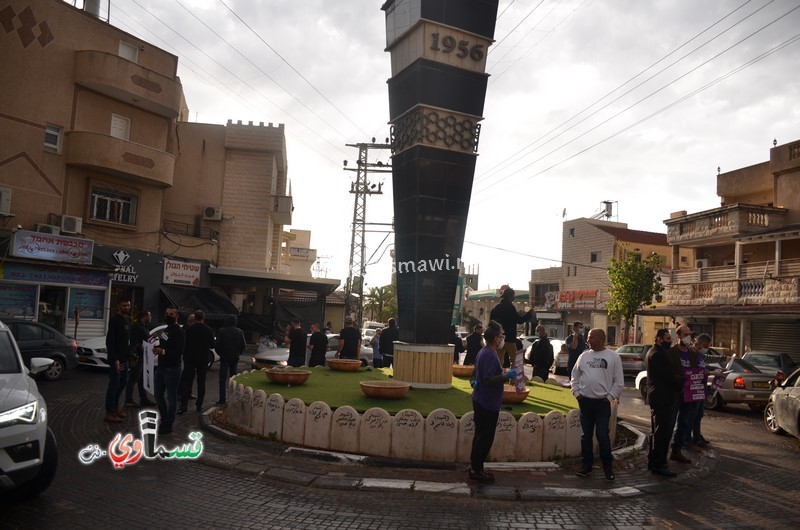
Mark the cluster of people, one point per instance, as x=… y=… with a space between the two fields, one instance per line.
x=676 y=413
x=182 y=355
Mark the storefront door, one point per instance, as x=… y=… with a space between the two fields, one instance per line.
x=52 y=306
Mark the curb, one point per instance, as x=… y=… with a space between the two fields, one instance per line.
x=707 y=463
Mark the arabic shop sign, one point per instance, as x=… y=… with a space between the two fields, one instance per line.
x=37 y=245
x=580 y=299
x=181 y=272
x=125 y=450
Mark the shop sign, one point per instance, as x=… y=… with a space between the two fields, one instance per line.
x=123 y=271
x=181 y=272
x=579 y=299
x=49 y=247
x=23 y=272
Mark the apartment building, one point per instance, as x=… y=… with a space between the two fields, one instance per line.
x=107 y=191
x=742 y=285
x=578 y=288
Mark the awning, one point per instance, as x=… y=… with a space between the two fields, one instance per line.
x=212 y=300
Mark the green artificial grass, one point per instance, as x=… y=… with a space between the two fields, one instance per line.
x=342 y=388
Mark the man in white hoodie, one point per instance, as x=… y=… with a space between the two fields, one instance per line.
x=597 y=380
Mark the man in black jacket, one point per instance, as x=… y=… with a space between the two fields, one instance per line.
x=541 y=355
x=506 y=314
x=230 y=345
x=199 y=343
x=386 y=345
x=664 y=383
x=118 y=346
x=168 y=371
x=474 y=344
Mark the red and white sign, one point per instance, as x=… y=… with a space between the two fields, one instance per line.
x=181 y=272
x=49 y=247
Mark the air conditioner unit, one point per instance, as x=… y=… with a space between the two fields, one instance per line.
x=71 y=224
x=5 y=201
x=700 y=263
x=48 y=229
x=212 y=213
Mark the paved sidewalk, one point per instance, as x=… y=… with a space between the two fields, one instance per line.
x=514 y=481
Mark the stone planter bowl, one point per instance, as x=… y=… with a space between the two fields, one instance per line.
x=290 y=377
x=344 y=365
x=460 y=370
x=385 y=389
x=510 y=395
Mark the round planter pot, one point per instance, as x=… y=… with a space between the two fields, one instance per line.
x=510 y=395
x=460 y=370
x=384 y=389
x=290 y=377
x=344 y=365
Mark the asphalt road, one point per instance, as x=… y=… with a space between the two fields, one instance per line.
x=755 y=485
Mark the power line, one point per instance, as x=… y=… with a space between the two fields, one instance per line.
x=496 y=46
x=634 y=104
x=309 y=83
x=518 y=155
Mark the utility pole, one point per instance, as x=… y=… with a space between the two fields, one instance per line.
x=361 y=188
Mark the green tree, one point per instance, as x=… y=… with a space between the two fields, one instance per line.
x=635 y=283
x=381 y=303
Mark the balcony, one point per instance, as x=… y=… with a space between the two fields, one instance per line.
x=282 y=210
x=125 y=81
x=755 y=283
x=106 y=154
x=719 y=225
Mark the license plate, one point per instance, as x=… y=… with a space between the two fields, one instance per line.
x=83 y=358
x=760 y=384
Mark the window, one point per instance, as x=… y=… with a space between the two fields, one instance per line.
x=120 y=127
x=52 y=138
x=595 y=257
x=113 y=207
x=637 y=257
x=684 y=259
x=128 y=51
x=571 y=232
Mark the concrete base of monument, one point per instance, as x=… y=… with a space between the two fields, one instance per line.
x=440 y=436
x=423 y=365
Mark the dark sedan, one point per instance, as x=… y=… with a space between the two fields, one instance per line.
x=783 y=410
x=40 y=340
x=776 y=364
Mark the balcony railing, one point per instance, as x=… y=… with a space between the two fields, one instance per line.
x=720 y=224
x=190 y=230
x=747 y=271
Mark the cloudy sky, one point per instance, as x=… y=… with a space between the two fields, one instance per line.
x=588 y=100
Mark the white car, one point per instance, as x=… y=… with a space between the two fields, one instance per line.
x=28 y=453
x=269 y=357
x=92 y=352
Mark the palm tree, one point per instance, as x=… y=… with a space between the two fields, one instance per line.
x=381 y=302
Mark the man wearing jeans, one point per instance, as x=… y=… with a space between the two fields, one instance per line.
x=230 y=344
x=597 y=380
x=168 y=371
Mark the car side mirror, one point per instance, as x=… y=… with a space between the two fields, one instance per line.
x=39 y=365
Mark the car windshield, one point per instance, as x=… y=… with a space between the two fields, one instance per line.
x=9 y=361
x=630 y=349
x=764 y=359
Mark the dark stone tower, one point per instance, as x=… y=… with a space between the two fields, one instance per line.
x=436 y=95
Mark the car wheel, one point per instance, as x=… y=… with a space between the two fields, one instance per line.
x=756 y=407
x=47 y=470
x=56 y=370
x=643 y=389
x=713 y=401
x=770 y=420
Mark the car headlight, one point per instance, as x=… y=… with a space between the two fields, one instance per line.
x=25 y=414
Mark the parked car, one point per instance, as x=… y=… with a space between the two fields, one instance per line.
x=367 y=334
x=556 y=343
x=777 y=364
x=269 y=357
x=632 y=357
x=40 y=340
x=716 y=356
x=28 y=454
x=744 y=383
x=92 y=352
x=782 y=413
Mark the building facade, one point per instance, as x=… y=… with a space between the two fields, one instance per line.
x=742 y=285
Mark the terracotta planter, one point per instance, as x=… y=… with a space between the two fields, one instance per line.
x=290 y=377
x=510 y=395
x=460 y=370
x=344 y=365
x=385 y=389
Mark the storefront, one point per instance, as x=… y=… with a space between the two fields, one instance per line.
x=51 y=279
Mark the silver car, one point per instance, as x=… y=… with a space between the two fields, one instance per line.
x=269 y=357
x=783 y=410
x=632 y=357
x=28 y=453
x=743 y=383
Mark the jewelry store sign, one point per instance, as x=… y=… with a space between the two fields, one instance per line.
x=49 y=247
x=181 y=272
